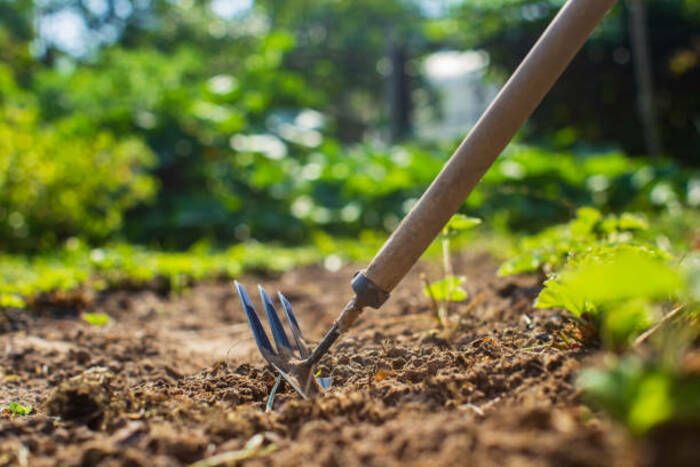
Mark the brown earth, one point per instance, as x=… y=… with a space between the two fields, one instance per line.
x=177 y=379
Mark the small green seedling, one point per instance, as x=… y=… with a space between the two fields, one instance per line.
x=448 y=289
x=96 y=319
x=18 y=410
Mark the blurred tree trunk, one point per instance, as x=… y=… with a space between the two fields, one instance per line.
x=398 y=90
x=641 y=56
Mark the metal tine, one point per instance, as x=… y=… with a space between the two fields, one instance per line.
x=324 y=382
x=261 y=338
x=278 y=334
x=294 y=326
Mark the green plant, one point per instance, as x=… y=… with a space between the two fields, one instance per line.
x=18 y=410
x=605 y=271
x=56 y=183
x=618 y=290
x=549 y=250
x=24 y=279
x=96 y=319
x=642 y=394
x=449 y=288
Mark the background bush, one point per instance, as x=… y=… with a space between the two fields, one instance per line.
x=56 y=183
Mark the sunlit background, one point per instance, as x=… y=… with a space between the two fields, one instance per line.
x=167 y=122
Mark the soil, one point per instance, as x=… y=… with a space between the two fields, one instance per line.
x=174 y=380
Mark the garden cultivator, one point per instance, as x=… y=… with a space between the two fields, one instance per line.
x=507 y=113
x=285 y=352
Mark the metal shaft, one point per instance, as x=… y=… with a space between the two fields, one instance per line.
x=348 y=316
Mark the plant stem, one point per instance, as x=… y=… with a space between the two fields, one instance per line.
x=644 y=336
x=447 y=270
x=433 y=302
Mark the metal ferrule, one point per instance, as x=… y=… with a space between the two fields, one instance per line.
x=367 y=293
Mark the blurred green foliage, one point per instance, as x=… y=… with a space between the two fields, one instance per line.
x=642 y=394
x=530 y=188
x=595 y=101
x=608 y=272
x=172 y=123
x=550 y=250
x=56 y=182
x=25 y=280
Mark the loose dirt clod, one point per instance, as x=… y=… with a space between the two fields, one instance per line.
x=86 y=399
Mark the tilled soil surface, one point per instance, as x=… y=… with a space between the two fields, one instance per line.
x=177 y=380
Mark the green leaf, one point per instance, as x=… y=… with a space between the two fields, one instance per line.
x=449 y=289
x=624 y=322
x=613 y=388
x=640 y=394
x=519 y=265
x=8 y=300
x=653 y=403
x=626 y=275
x=460 y=223
x=558 y=295
x=18 y=409
x=629 y=221
x=96 y=319
x=586 y=220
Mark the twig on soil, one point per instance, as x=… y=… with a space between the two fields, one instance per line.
x=253 y=448
x=479 y=409
x=475 y=408
x=532 y=349
x=644 y=336
x=474 y=302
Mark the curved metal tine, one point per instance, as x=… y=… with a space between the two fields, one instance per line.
x=294 y=326
x=278 y=334
x=261 y=338
x=325 y=382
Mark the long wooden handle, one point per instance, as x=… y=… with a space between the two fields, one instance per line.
x=507 y=113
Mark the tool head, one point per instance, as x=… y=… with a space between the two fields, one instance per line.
x=292 y=362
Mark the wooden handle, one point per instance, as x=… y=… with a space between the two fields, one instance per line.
x=507 y=113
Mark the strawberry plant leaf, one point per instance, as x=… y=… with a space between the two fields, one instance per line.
x=627 y=274
x=558 y=295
